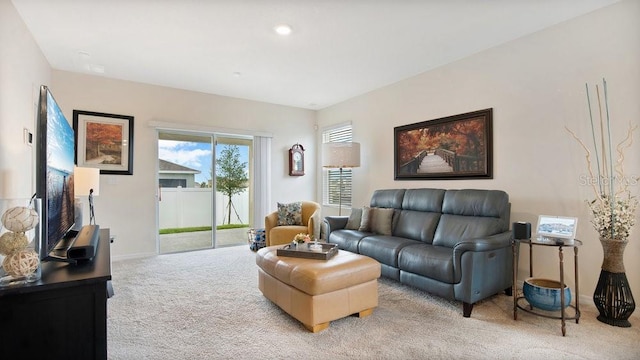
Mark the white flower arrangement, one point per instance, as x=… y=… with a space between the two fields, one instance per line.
x=614 y=221
x=302 y=238
x=613 y=207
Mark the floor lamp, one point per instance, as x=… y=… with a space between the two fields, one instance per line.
x=340 y=155
x=86 y=183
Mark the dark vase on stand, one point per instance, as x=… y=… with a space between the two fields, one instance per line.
x=612 y=296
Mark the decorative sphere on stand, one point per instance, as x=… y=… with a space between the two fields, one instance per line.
x=21 y=263
x=20 y=219
x=10 y=242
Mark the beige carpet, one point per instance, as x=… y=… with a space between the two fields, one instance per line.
x=206 y=305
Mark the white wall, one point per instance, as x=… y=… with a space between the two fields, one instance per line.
x=536 y=86
x=127 y=204
x=23 y=69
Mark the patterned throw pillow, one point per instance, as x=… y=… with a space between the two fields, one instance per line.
x=290 y=214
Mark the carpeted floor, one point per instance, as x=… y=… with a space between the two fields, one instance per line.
x=206 y=305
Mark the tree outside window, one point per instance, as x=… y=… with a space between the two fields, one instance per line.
x=231 y=176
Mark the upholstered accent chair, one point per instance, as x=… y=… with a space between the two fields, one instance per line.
x=309 y=222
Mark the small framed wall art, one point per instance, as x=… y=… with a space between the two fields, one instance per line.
x=104 y=141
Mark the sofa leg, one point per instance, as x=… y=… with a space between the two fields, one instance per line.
x=508 y=291
x=466 y=309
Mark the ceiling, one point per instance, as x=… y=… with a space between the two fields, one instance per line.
x=338 y=49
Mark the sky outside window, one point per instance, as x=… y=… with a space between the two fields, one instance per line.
x=194 y=155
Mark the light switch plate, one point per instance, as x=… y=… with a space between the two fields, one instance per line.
x=27 y=136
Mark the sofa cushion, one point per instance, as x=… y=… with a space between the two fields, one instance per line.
x=478 y=203
x=285 y=234
x=435 y=262
x=290 y=214
x=470 y=214
x=416 y=225
x=383 y=248
x=355 y=218
x=453 y=229
x=387 y=198
x=429 y=200
x=347 y=239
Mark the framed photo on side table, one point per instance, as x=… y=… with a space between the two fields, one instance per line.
x=104 y=141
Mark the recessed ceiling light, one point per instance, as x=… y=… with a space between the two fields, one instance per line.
x=237 y=74
x=282 y=29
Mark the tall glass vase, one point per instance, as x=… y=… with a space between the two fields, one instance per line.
x=19 y=241
x=612 y=296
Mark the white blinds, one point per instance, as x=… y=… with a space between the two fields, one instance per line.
x=331 y=177
x=262 y=179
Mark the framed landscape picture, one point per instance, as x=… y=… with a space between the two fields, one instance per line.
x=454 y=147
x=104 y=141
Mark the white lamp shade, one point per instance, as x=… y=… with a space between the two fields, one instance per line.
x=341 y=154
x=85 y=179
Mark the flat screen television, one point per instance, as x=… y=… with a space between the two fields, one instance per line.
x=54 y=174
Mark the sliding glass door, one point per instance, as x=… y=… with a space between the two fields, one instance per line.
x=233 y=189
x=204 y=191
x=185 y=192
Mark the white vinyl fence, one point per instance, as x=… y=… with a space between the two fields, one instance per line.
x=187 y=207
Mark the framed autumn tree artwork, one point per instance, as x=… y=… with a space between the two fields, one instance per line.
x=454 y=147
x=104 y=141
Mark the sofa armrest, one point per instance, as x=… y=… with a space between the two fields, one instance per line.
x=496 y=242
x=270 y=221
x=493 y=242
x=335 y=223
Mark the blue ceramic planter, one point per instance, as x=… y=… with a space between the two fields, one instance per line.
x=545 y=294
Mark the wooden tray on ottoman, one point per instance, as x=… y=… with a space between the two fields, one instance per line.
x=328 y=251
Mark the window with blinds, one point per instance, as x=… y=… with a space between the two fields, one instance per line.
x=331 y=177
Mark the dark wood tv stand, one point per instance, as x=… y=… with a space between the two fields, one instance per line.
x=61 y=316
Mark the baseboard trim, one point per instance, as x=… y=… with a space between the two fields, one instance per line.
x=132 y=256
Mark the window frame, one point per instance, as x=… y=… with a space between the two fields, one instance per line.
x=331 y=176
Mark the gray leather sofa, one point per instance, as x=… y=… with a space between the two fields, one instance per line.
x=452 y=243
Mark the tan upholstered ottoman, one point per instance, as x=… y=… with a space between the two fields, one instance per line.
x=316 y=292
